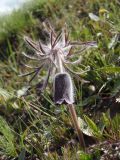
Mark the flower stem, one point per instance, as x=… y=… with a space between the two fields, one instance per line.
x=61 y=68
x=73 y=112
x=76 y=125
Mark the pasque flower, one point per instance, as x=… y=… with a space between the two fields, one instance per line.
x=55 y=56
x=63 y=89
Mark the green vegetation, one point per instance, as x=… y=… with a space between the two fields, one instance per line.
x=31 y=126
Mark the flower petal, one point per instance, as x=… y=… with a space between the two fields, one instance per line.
x=63 y=89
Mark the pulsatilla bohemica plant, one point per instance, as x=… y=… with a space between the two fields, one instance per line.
x=55 y=57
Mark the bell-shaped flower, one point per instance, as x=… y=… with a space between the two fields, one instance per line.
x=63 y=89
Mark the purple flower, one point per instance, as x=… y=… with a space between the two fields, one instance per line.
x=55 y=56
x=63 y=89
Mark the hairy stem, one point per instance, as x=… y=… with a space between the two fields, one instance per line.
x=73 y=112
x=76 y=125
x=60 y=65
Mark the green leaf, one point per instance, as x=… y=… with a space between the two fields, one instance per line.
x=109 y=69
x=95 y=130
x=7 y=146
x=105 y=119
x=84 y=127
